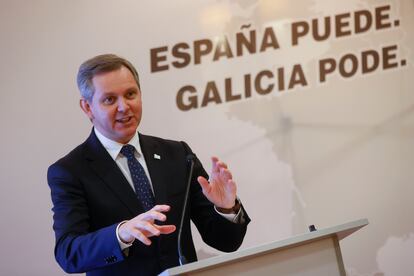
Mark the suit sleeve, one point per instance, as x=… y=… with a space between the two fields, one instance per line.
x=217 y=231
x=77 y=249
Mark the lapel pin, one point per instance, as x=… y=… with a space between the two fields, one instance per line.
x=156 y=156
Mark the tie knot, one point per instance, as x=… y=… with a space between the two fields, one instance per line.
x=128 y=151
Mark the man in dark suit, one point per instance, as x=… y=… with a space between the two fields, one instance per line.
x=118 y=197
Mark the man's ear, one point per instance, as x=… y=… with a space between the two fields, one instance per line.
x=86 y=107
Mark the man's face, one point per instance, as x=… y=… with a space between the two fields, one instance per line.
x=116 y=108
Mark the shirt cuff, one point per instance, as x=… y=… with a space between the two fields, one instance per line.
x=121 y=243
x=235 y=218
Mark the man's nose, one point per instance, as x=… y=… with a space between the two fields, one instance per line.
x=122 y=105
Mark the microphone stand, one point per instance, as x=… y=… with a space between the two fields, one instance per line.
x=181 y=257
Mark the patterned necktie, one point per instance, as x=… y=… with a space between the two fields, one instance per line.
x=139 y=178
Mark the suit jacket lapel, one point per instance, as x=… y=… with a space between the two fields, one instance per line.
x=106 y=168
x=155 y=165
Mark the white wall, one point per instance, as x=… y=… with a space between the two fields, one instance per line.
x=322 y=154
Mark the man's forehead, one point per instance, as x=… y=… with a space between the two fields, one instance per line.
x=114 y=77
x=107 y=71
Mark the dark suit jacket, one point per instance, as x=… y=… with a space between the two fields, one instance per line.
x=91 y=197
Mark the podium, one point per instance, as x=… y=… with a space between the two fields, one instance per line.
x=314 y=253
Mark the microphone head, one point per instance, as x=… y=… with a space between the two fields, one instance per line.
x=190 y=157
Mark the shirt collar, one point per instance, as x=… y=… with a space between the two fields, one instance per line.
x=114 y=148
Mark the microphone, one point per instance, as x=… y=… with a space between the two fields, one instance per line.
x=181 y=257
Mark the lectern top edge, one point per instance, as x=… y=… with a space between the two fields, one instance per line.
x=340 y=231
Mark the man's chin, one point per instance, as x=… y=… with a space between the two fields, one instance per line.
x=125 y=136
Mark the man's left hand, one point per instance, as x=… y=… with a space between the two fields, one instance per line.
x=221 y=190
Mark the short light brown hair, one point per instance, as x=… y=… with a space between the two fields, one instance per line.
x=97 y=65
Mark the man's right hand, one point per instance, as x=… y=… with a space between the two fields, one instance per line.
x=142 y=227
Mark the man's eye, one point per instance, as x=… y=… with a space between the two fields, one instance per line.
x=131 y=94
x=108 y=100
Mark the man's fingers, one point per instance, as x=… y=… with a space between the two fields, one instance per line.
x=148 y=227
x=217 y=162
x=226 y=173
x=233 y=186
x=218 y=166
x=214 y=164
x=138 y=235
x=162 y=229
x=203 y=183
x=161 y=208
x=142 y=226
x=145 y=230
x=222 y=165
x=152 y=215
x=166 y=229
x=156 y=213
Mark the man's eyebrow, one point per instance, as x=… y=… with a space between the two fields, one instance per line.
x=111 y=93
x=107 y=93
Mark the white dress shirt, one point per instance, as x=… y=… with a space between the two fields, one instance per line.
x=114 y=149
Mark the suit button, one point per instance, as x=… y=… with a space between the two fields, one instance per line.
x=111 y=259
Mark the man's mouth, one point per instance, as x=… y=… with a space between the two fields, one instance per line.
x=124 y=119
